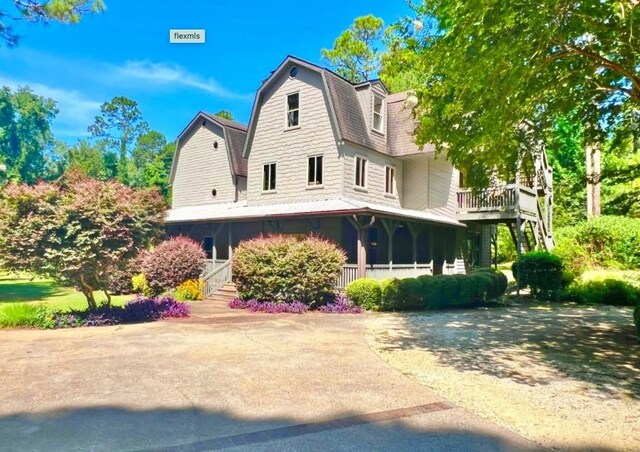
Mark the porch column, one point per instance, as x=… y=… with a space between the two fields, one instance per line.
x=230 y=236
x=361 y=227
x=414 y=228
x=214 y=233
x=390 y=226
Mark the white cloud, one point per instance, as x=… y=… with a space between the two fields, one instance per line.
x=172 y=75
x=76 y=111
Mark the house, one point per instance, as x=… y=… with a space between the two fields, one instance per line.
x=326 y=156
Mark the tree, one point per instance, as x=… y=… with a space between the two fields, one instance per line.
x=490 y=66
x=64 y=11
x=90 y=160
x=225 y=114
x=25 y=133
x=355 y=54
x=119 y=124
x=156 y=174
x=76 y=230
x=148 y=146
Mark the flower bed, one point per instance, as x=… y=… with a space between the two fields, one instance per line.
x=342 y=305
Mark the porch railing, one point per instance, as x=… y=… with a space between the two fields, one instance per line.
x=382 y=271
x=499 y=198
x=217 y=278
x=349 y=273
x=211 y=265
x=456 y=267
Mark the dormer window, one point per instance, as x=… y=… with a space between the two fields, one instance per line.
x=293 y=110
x=378 y=113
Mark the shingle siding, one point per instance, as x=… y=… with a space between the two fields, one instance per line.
x=290 y=149
x=201 y=168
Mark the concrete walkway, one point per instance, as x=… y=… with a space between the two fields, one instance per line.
x=223 y=379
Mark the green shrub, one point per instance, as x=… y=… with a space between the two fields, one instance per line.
x=459 y=291
x=389 y=294
x=541 y=272
x=506 y=247
x=497 y=283
x=365 y=292
x=286 y=269
x=605 y=241
x=139 y=284
x=22 y=315
x=190 y=290
x=608 y=291
x=636 y=318
x=401 y=294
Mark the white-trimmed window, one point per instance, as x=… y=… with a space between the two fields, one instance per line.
x=293 y=110
x=269 y=177
x=315 y=168
x=361 y=172
x=378 y=113
x=390 y=180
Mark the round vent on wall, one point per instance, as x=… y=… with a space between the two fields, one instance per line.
x=204 y=123
x=214 y=192
x=293 y=72
x=215 y=145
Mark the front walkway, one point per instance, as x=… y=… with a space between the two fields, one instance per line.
x=223 y=379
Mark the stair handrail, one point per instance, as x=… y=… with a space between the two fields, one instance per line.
x=211 y=283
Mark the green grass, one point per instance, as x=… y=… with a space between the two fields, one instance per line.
x=630 y=276
x=22 y=289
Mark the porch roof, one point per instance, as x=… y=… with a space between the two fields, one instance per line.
x=239 y=211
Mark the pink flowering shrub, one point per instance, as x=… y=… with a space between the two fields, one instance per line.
x=282 y=269
x=173 y=262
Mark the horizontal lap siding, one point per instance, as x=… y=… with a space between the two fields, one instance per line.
x=290 y=149
x=201 y=168
x=416 y=184
x=375 y=190
x=443 y=186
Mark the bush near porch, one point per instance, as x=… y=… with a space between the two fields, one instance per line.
x=428 y=292
x=285 y=269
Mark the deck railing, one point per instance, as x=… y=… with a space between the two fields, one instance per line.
x=499 y=198
x=382 y=271
x=349 y=273
x=214 y=280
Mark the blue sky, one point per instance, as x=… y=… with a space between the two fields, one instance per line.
x=125 y=51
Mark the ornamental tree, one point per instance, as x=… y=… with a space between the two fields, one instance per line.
x=78 y=230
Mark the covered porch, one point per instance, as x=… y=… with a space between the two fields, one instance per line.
x=377 y=244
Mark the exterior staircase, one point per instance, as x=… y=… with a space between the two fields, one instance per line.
x=216 y=304
x=525 y=206
x=225 y=294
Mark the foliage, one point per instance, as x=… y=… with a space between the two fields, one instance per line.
x=120 y=281
x=225 y=114
x=608 y=291
x=173 y=262
x=459 y=291
x=64 y=11
x=284 y=269
x=341 y=305
x=25 y=133
x=543 y=60
x=269 y=307
x=506 y=247
x=542 y=272
x=365 y=292
x=191 y=289
x=401 y=294
x=21 y=315
x=118 y=125
x=636 y=318
x=606 y=241
x=139 y=284
x=355 y=54
x=77 y=230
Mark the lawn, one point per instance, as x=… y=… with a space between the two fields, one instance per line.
x=22 y=289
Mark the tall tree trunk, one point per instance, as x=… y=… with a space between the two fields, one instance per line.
x=593 y=167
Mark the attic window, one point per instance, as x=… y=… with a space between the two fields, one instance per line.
x=293 y=110
x=378 y=113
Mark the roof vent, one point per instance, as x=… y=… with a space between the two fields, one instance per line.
x=215 y=145
x=293 y=72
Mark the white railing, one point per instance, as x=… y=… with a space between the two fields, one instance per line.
x=498 y=198
x=210 y=265
x=349 y=273
x=382 y=271
x=457 y=267
x=214 y=280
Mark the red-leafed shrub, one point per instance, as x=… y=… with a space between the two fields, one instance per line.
x=173 y=262
x=282 y=269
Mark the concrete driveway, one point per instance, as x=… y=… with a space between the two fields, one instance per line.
x=224 y=379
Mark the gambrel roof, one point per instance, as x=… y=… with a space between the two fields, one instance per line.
x=347 y=115
x=234 y=136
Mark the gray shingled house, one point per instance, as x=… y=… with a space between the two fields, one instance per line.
x=326 y=156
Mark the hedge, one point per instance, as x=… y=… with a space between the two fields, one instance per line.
x=430 y=292
x=540 y=271
x=173 y=262
x=608 y=291
x=281 y=268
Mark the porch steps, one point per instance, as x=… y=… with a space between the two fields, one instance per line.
x=214 y=305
